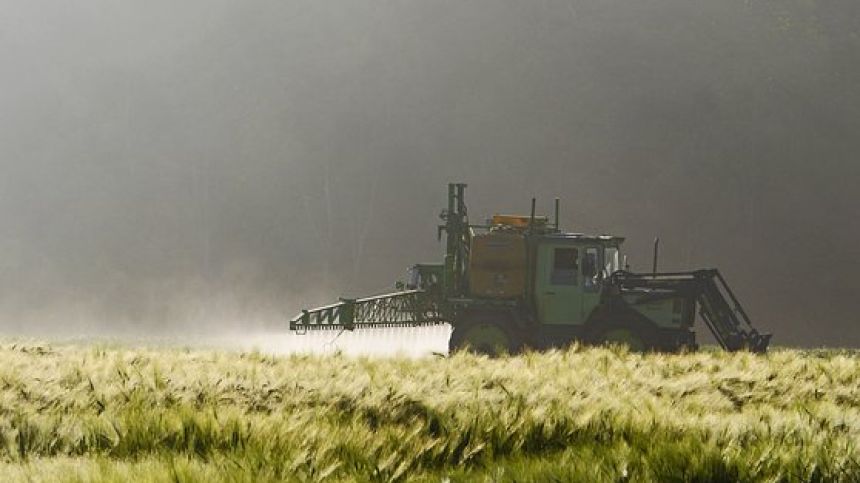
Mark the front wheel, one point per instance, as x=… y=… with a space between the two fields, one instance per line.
x=624 y=337
x=638 y=337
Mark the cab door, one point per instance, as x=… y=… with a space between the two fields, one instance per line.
x=558 y=283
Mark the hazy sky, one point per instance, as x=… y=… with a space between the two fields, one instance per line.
x=166 y=162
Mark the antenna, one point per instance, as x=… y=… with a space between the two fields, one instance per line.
x=656 y=253
x=532 y=217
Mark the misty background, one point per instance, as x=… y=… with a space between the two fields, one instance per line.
x=207 y=164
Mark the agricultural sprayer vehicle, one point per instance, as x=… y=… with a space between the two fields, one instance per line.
x=519 y=281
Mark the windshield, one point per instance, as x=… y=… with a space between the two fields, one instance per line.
x=610 y=261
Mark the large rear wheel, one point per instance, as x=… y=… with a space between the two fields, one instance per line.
x=491 y=333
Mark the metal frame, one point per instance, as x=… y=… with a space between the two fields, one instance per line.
x=719 y=308
x=411 y=308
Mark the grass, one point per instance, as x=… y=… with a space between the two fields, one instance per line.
x=98 y=413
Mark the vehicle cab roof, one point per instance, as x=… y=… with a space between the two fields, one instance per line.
x=580 y=237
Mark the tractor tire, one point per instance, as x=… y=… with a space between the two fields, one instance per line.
x=489 y=333
x=637 y=336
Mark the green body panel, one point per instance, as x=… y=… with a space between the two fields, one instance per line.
x=558 y=296
x=664 y=313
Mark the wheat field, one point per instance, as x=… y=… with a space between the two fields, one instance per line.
x=96 y=412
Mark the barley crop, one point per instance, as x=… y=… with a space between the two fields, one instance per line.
x=113 y=413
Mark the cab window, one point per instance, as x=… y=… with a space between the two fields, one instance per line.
x=610 y=261
x=565 y=266
x=589 y=267
x=589 y=263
